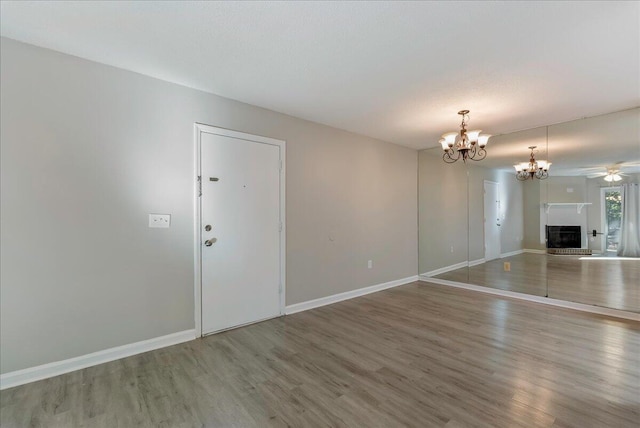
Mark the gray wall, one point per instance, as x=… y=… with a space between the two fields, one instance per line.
x=87 y=151
x=534 y=196
x=512 y=200
x=566 y=189
x=443 y=212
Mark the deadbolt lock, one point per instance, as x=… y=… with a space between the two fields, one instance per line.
x=207 y=227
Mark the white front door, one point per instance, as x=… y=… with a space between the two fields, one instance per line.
x=240 y=230
x=491 y=221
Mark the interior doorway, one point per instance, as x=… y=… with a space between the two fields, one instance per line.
x=240 y=229
x=492 y=223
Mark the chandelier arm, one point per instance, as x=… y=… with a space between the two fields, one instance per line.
x=472 y=151
x=478 y=154
x=448 y=158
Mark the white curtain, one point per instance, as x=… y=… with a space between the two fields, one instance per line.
x=629 y=245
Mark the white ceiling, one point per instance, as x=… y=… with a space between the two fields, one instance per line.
x=397 y=71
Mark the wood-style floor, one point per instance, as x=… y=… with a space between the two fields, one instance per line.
x=420 y=355
x=612 y=283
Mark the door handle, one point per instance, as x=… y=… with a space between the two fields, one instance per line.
x=210 y=242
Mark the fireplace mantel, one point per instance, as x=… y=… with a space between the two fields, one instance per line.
x=578 y=205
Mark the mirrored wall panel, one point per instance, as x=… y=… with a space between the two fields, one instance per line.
x=557 y=230
x=596 y=158
x=510 y=216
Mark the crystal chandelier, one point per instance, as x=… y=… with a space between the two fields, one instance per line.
x=464 y=144
x=532 y=169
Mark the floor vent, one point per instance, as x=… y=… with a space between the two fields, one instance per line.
x=569 y=251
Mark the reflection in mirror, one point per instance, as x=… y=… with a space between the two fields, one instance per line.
x=541 y=242
x=589 y=182
x=506 y=216
x=494 y=201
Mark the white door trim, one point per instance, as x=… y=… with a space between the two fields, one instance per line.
x=484 y=215
x=603 y=217
x=199 y=129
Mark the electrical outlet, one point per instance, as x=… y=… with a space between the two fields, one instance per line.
x=452 y=248
x=370 y=264
x=507 y=266
x=159 y=220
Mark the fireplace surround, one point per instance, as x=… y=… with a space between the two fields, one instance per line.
x=564 y=237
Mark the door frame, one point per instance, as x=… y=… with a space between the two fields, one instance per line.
x=603 y=216
x=199 y=129
x=484 y=215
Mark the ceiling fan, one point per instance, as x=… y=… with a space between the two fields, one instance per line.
x=613 y=173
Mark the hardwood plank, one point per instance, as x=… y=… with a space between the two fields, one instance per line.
x=417 y=355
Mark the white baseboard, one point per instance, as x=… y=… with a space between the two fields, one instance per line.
x=323 y=301
x=511 y=253
x=532 y=251
x=617 y=313
x=445 y=269
x=453 y=267
x=32 y=374
x=476 y=262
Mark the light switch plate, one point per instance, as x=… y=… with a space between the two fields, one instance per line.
x=159 y=220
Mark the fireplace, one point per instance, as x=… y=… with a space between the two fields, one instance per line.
x=564 y=237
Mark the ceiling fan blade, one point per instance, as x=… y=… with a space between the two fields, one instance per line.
x=598 y=174
x=628 y=164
